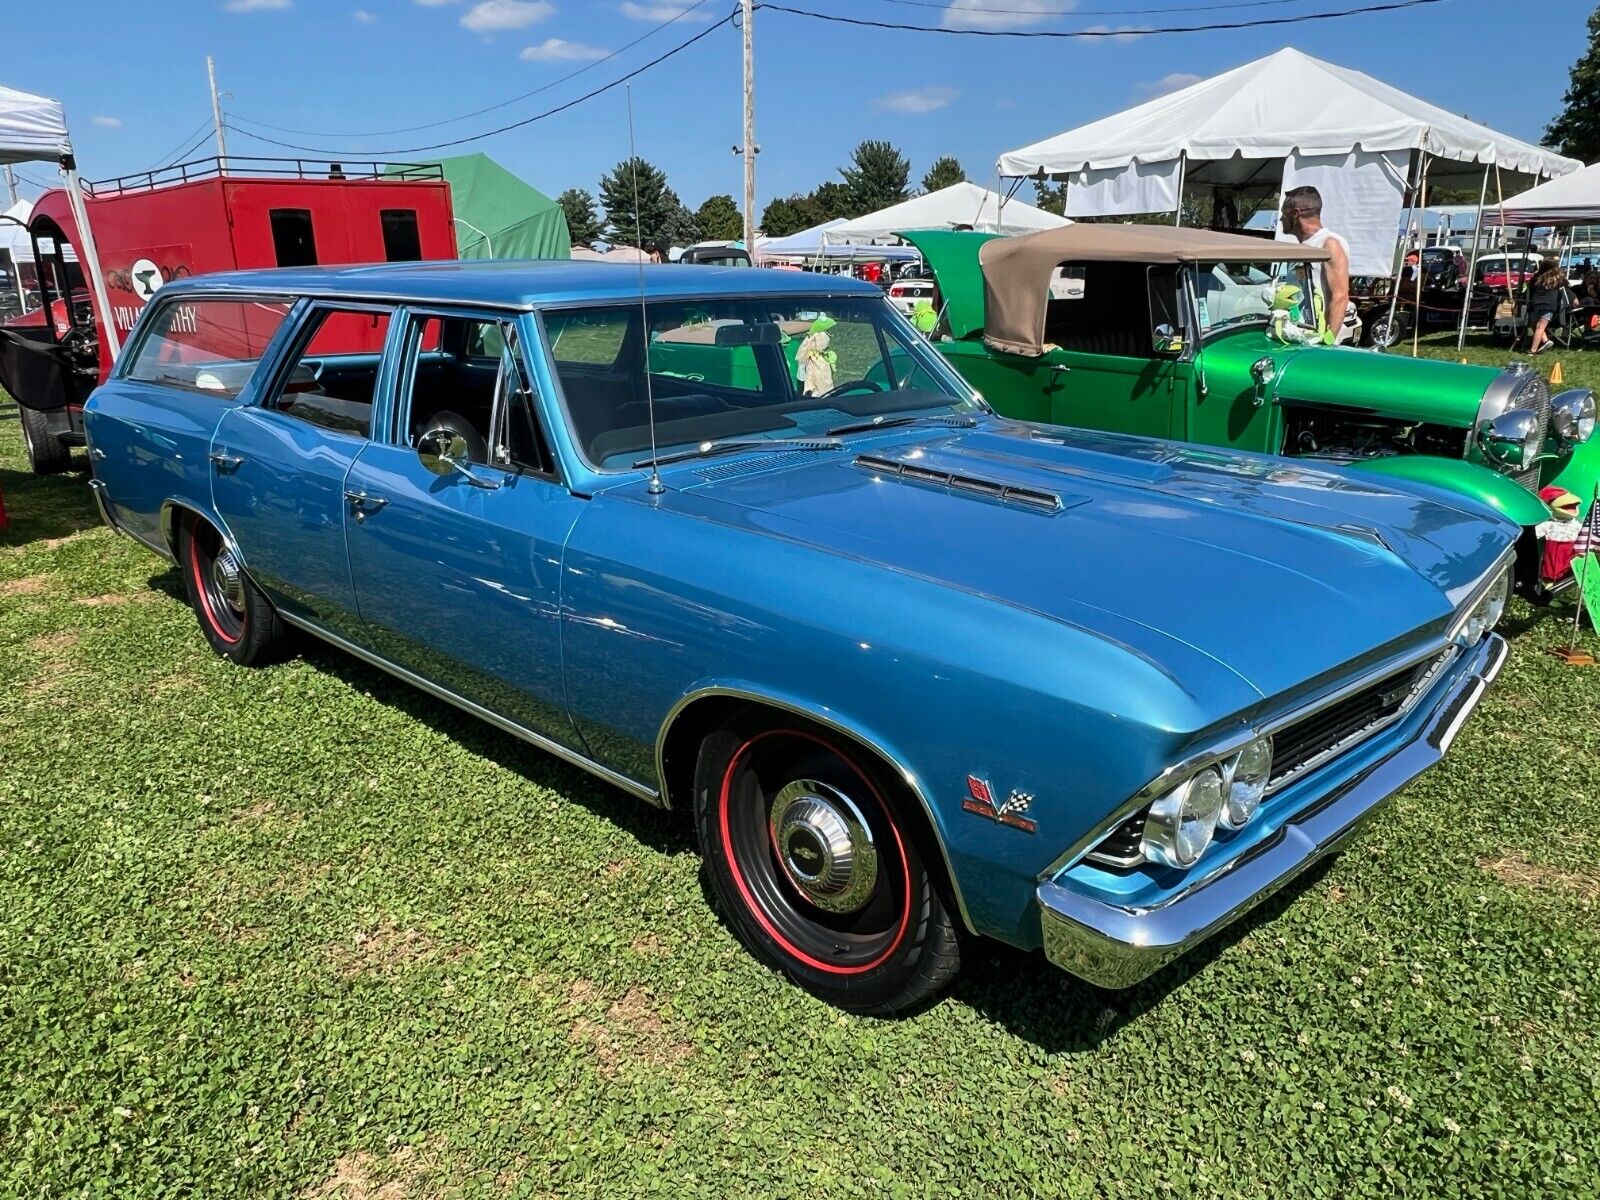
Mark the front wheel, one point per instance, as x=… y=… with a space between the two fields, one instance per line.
x=818 y=873
x=236 y=618
x=47 y=453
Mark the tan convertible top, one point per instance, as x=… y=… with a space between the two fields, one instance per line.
x=1016 y=271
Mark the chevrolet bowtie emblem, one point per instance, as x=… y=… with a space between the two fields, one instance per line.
x=980 y=800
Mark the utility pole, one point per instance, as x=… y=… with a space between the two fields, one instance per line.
x=216 y=116
x=11 y=183
x=750 y=148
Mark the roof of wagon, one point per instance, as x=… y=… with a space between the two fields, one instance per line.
x=527 y=283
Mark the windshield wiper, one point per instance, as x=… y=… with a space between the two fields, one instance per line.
x=705 y=449
x=890 y=422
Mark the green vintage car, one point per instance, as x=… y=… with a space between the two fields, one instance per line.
x=1165 y=332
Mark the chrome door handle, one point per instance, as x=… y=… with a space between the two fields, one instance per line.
x=97 y=454
x=362 y=504
x=226 y=463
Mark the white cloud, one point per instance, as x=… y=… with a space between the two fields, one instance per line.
x=1174 y=82
x=557 y=50
x=106 y=122
x=980 y=14
x=660 y=12
x=495 y=16
x=243 y=6
x=363 y=17
x=918 y=100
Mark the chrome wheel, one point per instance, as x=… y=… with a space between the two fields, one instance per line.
x=824 y=845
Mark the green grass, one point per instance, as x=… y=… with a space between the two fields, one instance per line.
x=302 y=931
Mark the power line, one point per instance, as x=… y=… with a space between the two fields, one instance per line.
x=323 y=151
x=173 y=155
x=1132 y=31
x=491 y=108
x=985 y=10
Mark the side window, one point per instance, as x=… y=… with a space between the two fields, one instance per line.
x=401 y=241
x=333 y=376
x=466 y=377
x=1168 y=319
x=205 y=345
x=588 y=338
x=294 y=244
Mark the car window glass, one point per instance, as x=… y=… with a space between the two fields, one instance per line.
x=460 y=366
x=588 y=336
x=523 y=443
x=332 y=378
x=207 y=345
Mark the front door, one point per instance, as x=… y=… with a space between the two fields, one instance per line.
x=457 y=568
x=279 y=466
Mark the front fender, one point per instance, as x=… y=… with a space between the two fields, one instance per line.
x=1488 y=487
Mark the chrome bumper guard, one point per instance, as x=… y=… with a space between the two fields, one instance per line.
x=1116 y=947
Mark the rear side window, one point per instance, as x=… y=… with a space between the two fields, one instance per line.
x=334 y=374
x=206 y=345
x=294 y=243
x=401 y=241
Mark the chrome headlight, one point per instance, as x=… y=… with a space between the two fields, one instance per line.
x=1572 y=414
x=1513 y=439
x=1181 y=824
x=1264 y=370
x=1248 y=784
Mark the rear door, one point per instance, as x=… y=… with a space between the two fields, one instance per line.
x=279 y=465
x=457 y=570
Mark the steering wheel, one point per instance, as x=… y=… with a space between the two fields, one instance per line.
x=855 y=385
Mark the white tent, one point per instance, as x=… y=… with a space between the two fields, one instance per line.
x=1273 y=124
x=34 y=129
x=814 y=243
x=1570 y=200
x=960 y=204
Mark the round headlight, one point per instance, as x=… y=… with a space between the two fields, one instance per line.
x=1513 y=439
x=1181 y=823
x=1494 y=603
x=1572 y=414
x=1250 y=772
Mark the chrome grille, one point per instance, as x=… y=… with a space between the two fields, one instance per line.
x=1535 y=395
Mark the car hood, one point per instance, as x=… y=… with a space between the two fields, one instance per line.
x=1278 y=573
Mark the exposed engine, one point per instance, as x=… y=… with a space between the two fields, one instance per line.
x=1331 y=433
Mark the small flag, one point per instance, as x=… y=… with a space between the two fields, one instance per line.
x=1588 y=539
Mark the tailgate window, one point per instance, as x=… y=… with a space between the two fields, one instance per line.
x=205 y=345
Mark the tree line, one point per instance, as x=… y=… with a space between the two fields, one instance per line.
x=877 y=176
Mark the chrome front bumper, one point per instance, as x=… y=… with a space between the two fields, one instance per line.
x=1116 y=947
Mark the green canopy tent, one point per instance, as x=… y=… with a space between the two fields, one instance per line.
x=498 y=215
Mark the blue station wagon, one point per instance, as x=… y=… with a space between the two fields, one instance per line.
x=742 y=544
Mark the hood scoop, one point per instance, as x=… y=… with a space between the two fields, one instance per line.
x=1032 y=499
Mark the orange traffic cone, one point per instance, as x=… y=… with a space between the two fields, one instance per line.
x=1556 y=375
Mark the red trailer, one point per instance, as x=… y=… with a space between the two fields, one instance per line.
x=191 y=219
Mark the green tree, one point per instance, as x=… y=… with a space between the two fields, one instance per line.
x=944 y=172
x=583 y=222
x=719 y=219
x=876 y=178
x=783 y=216
x=1576 y=132
x=661 y=219
x=1052 y=197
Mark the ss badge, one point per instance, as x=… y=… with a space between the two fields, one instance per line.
x=980 y=800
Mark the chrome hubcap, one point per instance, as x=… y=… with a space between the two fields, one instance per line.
x=824 y=845
x=228 y=579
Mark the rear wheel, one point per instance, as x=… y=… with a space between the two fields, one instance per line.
x=47 y=453
x=236 y=618
x=818 y=873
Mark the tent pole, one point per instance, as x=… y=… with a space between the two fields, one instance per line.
x=1405 y=232
x=1472 y=264
x=1416 y=318
x=1183 y=161
x=89 y=253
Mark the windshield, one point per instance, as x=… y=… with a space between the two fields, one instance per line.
x=779 y=367
x=1237 y=293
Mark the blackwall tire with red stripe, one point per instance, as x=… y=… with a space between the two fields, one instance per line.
x=812 y=856
x=237 y=620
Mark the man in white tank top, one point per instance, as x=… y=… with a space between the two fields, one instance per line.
x=1337 y=322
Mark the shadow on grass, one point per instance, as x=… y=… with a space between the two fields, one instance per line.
x=41 y=507
x=1064 y=1015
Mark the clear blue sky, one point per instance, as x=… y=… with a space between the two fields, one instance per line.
x=132 y=75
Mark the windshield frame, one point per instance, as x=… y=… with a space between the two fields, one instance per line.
x=960 y=391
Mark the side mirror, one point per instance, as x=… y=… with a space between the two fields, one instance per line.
x=1166 y=340
x=442 y=451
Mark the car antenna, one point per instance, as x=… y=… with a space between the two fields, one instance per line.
x=656 y=487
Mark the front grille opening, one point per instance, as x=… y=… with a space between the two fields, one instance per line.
x=1120 y=847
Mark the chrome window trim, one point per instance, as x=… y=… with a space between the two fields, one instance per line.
x=1238 y=739
x=821 y=718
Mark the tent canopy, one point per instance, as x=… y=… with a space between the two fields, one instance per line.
x=816 y=243
x=960 y=204
x=498 y=215
x=32 y=128
x=1570 y=200
x=1287 y=103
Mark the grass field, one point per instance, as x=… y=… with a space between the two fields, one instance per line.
x=304 y=932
